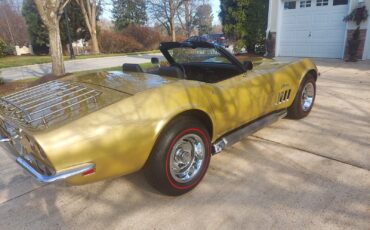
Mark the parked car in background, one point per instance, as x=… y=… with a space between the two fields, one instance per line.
x=89 y=127
x=217 y=39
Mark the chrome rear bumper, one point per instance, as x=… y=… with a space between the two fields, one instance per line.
x=58 y=176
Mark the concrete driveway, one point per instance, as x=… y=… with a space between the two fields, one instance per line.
x=307 y=174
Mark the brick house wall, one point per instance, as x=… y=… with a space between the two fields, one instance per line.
x=273 y=47
x=361 y=48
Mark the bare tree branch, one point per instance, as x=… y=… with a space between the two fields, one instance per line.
x=165 y=11
x=61 y=9
x=186 y=15
x=88 y=8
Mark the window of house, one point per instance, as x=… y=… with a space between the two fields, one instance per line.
x=290 y=5
x=305 y=3
x=340 y=2
x=322 y=2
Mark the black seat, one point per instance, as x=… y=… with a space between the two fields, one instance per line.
x=172 y=71
x=127 y=67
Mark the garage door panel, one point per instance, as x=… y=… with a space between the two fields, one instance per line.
x=330 y=50
x=313 y=31
x=296 y=37
x=331 y=20
x=322 y=36
x=287 y=51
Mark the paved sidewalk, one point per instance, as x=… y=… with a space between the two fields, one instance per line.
x=39 y=70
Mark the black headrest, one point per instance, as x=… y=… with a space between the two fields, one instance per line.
x=172 y=71
x=127 y=67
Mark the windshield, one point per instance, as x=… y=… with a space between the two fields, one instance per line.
x=191 y=55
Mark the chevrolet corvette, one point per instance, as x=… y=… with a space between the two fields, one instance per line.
x=167 y=122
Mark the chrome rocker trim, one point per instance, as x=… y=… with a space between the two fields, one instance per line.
x=238 y=134
x=56 y=177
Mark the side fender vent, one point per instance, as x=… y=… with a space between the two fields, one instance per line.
x=283 y=96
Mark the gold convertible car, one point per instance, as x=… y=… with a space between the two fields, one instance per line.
x=168 y=122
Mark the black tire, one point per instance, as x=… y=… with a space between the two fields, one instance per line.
x=297 y=110
x=157 y=169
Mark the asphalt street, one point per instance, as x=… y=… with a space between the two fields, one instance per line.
x=307 y=174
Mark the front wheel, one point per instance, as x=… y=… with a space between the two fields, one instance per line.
x=180 y=157
x=304 y=100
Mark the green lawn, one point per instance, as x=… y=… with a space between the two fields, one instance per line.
x=14 y=61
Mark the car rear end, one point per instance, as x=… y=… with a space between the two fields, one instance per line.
x=74 y=129
x=30 y=155
x=25 y=114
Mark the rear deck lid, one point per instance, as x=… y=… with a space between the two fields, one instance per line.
x=125 y=82
x=54 y=102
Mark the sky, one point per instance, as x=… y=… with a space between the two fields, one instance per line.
x=215 y=7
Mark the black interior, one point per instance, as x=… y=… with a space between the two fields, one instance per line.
x=193 y=67
x=197 y=69
x=210 y=72
x=172 y=71
x=204 y=72
x=127 y=67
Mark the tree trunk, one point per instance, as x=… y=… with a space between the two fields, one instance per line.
x=89 y=12
x=187 y=18
x=173 y=30
x=94 y=38
x=94 y=43
x=91 y=19
x=50 y=12
x=172 y=13
x=56 y=49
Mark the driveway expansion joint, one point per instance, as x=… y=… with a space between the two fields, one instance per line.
x=28 y=192
x=310 y=152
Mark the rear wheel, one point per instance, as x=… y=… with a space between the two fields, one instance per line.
x=180 y=157
x=304 y=100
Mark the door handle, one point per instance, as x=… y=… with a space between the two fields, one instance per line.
x=309 y=34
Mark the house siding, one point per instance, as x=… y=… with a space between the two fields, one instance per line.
x=367 y=43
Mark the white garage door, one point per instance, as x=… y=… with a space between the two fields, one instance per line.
x=313 y=28
x=367 y=44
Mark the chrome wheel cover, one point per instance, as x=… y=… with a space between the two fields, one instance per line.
x=187 y=158
x=308 y=95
